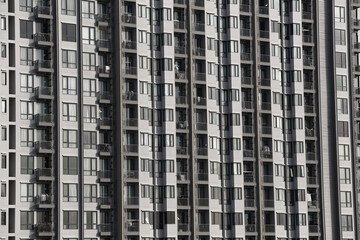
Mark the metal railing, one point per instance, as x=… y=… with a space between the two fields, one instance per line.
x=104 y=148
x=42 y=37
x=104 y=174
x=127 y=18
x=131 y=148
x=44 y=145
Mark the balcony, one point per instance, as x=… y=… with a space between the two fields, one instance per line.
x=269 y=228
x=180 y=74
x=102 y=19
x=42 y=12
x=179 y=24
x=307 y=39
x=202 y=176
x=265 y=82
x=44 y=230
x=245 y=8
x=103 y=45
x=131 y=148
x=265 y=106
x=263 y=10
x=307 y=15
x=199 y=52
x=130 y=71
x=104 y=97
x=266 y=154
x=129 y=45
x=249 y=178
x=308 y=61
x=264 y=34
x=310 y=156
x=183 y=201
x=43 y=40
x=245 y=56
x=132 y=225
x=182 y=125
x=201 y=126
x=131 y=122
x=131 y=174
x=104 y=149
x=247 y=105
x=180 y=2
x=105 y=229
x=198 y=3
x=250 y=228
x=200 y=101
x=44 y=201
x=311 y=180
x=268 y=203
x=268 y=178
x=104 y=202
x=44 y=147
x=128 y=18
x=309 y=109
x=44 y=120
x=202 y=151
x=199 y=27
x=310 y=132
x=203 y=227
x=183 y=227
x=309 y=85
x=248 y=153
x=131 y=201
x=130 y=96
x=248 y=129
x=104 y=123
x=200 y=76
x=180 y=100
x=44 y=93
x=181 y=150
x=182 y=176
x=314 y=228
x=43 y=66
x=104 y=175
x=44 y=174
x=264 y=58
x=245 y=32
x=104 y=71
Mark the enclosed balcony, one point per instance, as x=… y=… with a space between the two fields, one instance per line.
x=43 y=66
x=43 y=40
x=44 y=174
x=44 y=147
x=44 y=201
x=43 y=12
x=44 y=93
x=44 y=229
x=44 y=120
x=104 y=175
x=104 y=149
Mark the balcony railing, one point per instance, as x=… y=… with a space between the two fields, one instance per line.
x=44 y=119
x=181 y=150
x=130 y=70
x=131 y=148
x=132 y=225
x=249 y=178
x=44 y=173
x=179 y=24
x=200 y=101
x=202 y=176
x=198 y=3
x=130 y=96
x=200 y=27
x=248 y=129
x=104 y=123
x=199 y=51
x=264 y=34
x=131 y=122
x=263 y=10
x=309 y=85
x=269 y=228
x=43 y=39
x=307 y=15
x=202 y=151
x=247 y=105
x=131 y=200
x=313 y=228
x=203 y=227
x=102 y=17
x=246 y=56
x=104 y=96
x=104 y=174
x=245 y=32
x=43 y=66
x=245 y=8
x=131 y=174
x=103 y=45
x=307 y=38
x=44 y=199
x=268 y=178
x=127 y=18
x=182 y=125
x=311 y=180
x=180 y=100
x=105 y=228
x=201 y=126
x=44 y=229
x=182 y=176
x=200 y=76
x=309 y=109
x=268 y=203
x=42 y=12
x=308 y=61
x=310 y=156
x=44 y=92
x=248 y=153
x=44 y=147
x=129 y=44
x=183 y=201
x=183 y=227
x=104 y=149
x=250 y=228
x=104 y=201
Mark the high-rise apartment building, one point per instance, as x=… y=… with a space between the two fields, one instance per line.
x=180 y=119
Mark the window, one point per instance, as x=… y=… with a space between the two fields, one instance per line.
x=89 y=87
x=167 y=64
x=89 y=112
x=26 y=137
x=69 y=112
x=166 y=14
x=26 y=29
x=90 y=166
x=68 y=32
x=346 y=223
x=3 y=105
x=26 y=83
x=26 y=56
x=70 y=165
x=280 y=194
x=26 y=5
x=90 y=220
x=341 y=83
x=233 y=22
x=3 y=23
x=3 y=50
x=3 y=78
x=345 y=199
x=3 y=189
x=90 y=140
x=70 y=219
x=345 y=175
x=26 y=192
x=340 y=60
x=88 y=35
x=27 y=165
x=68 y=59
x=342 y=106
x=27 y=110
x=26 y=220
x=344 y=152
x=3 y=218
x=166 y=39
x=70 y=192
x=69 y=85
x=3 y=161
x=68 y=7
x=3 y=133
x=89 y=61
x=88 y=9
x=339 y=14
x=343 y=129
x=90 y=193
x=69 y=138
x=340 y=37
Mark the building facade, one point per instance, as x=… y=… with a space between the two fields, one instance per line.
x=180 y=119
